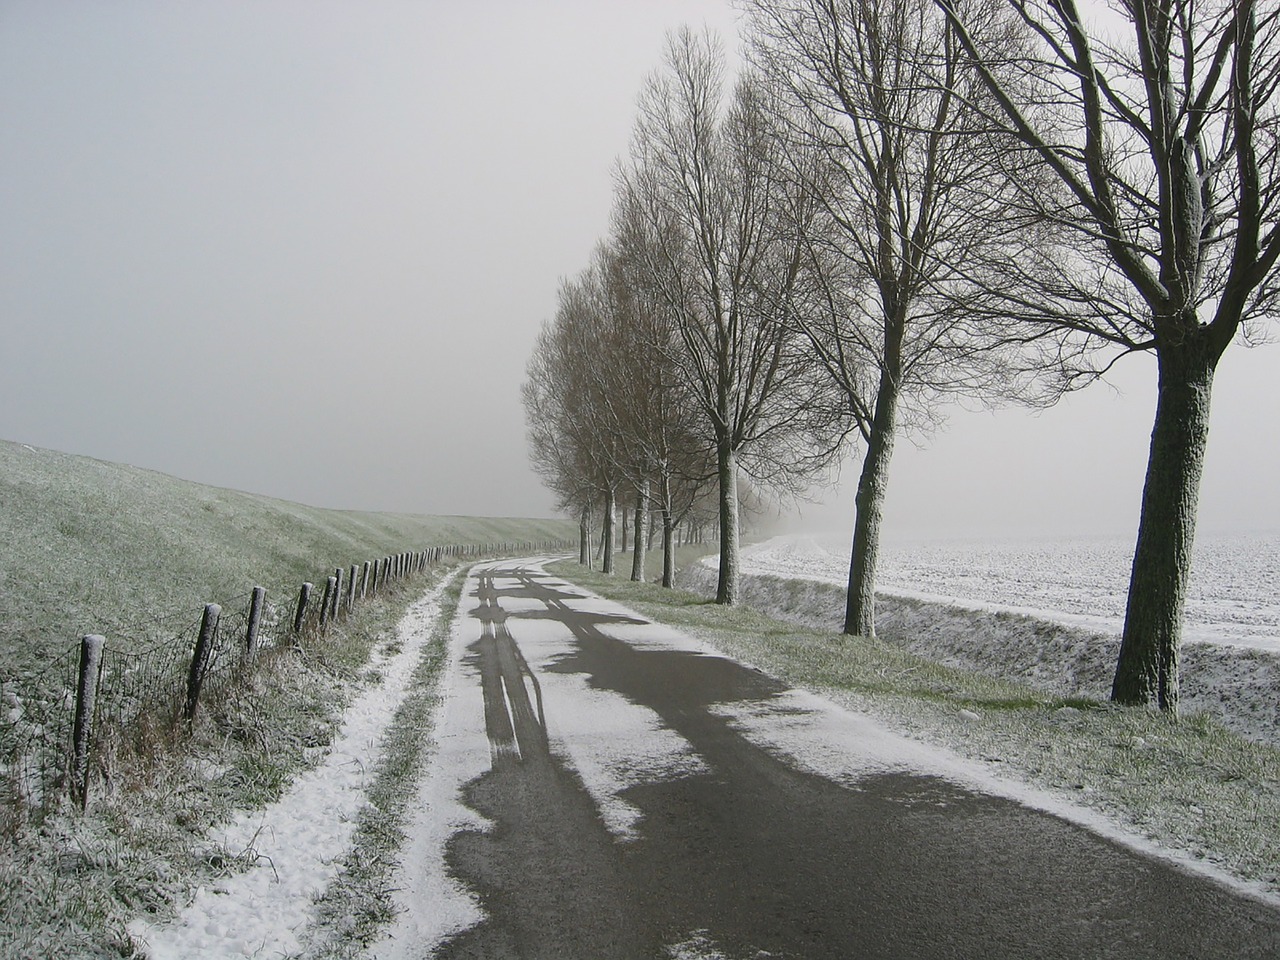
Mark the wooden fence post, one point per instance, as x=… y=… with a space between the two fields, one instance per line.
x=351 y=588
x=200 y=659
x=82 y=732
x=364 y=580
x=255 y=618
x=336 y=598
x=330 y=588
x=303 y=597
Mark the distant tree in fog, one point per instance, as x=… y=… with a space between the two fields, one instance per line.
x=704 y=220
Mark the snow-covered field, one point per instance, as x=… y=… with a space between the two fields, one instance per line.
x=1234 y=594
x=1047 y=614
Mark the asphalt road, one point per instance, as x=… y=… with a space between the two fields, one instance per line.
x=743 y=852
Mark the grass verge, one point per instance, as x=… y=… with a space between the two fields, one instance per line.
x=71 y=883
x=1190 y=786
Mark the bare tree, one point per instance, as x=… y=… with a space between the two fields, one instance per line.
x=557 y=455
x=699 y=188
x=900 y=187
x=575 y=440
x=672 y=460
x=1163 y=136
x=608 y=417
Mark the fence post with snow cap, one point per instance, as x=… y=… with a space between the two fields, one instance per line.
x=82 y=730
x=200 y=659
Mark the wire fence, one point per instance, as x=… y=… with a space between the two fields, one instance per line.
x=99 y=700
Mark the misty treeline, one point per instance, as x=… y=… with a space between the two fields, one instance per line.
x=897 y=204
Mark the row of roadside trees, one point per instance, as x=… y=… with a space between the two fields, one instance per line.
x=902 y=202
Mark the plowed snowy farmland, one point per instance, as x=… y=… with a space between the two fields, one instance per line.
x=1046 y=613
x=1234 y=596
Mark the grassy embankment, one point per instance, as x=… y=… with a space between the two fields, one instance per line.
x=97 y=547
x=1190 y=786
x=88 y=546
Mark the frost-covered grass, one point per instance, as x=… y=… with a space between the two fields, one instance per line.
x=1190 y=786
x=685 y=555
x=360 y=901
x=97 y=547
x=71 y=884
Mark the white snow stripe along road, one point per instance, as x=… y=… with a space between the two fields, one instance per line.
x=299 y=840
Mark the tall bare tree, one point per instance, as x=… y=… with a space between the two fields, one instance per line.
x=574 y=434
x=698 y=186
x=556 y=455
x=1162 y=132
x=607 y=414
x=901 y=184
x=665 y=457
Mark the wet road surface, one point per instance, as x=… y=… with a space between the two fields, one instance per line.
x=743 y=853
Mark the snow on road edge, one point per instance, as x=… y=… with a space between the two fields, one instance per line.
x=298 y=841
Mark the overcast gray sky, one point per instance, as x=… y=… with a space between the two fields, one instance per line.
x=304 y=248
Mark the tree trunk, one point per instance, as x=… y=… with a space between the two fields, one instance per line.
x=609 y=510
x=860 y=601
x=639 y=546
x=668 y=535
x=584 y=537
x=727 y=467
x=668 y=549
x=1147 y=670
